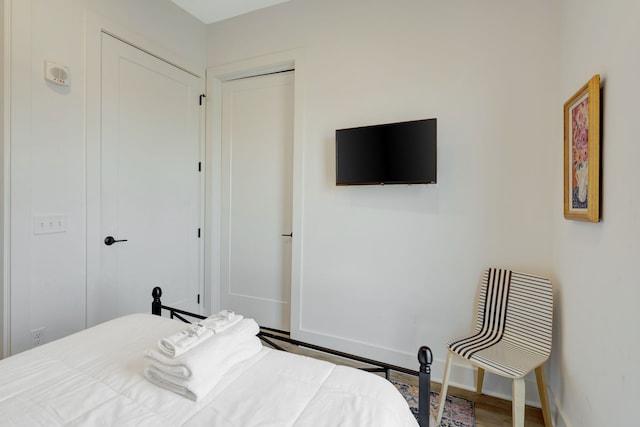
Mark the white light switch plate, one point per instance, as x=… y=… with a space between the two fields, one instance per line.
x=43 y=224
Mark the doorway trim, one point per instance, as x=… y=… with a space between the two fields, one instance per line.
x=282 y=61
x=96 y=25
x=5 y=191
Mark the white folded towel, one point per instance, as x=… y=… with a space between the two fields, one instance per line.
x=183 y=341
x=208 y=354
x=206 y=373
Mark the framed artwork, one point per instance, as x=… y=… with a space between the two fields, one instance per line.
x=582 y=153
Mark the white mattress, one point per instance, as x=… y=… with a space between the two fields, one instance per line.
x=94 y=378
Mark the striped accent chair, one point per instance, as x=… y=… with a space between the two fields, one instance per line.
x=512 y=336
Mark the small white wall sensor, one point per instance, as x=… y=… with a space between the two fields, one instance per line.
x=56 y=73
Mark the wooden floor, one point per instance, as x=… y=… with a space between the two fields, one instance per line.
x=494 y=412
x=490 y=411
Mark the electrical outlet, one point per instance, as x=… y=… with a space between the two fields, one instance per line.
x=37 y=337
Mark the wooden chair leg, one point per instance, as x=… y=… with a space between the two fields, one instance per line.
x=544 y=398
x=479 y=380
x=518 y=402
x=443 y=389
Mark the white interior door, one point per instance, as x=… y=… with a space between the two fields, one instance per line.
x=150 y=184
x=256 y=173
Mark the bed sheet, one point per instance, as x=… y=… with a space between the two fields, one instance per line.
x=95 y=378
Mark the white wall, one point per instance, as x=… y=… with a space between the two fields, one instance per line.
x=48 y=148
x=387 y=269
x=595 y=372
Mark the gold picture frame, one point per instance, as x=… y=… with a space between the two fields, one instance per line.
x=582 y=153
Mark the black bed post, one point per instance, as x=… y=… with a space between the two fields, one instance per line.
x=156 y=305
x=425 y=357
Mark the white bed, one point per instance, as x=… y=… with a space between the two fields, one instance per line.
x=95 y=378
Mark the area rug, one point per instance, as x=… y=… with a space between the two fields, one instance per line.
x=458 y=412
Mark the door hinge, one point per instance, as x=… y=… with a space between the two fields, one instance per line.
x=198 y=233
x=198 y=298
x=201 y=97
x=199 y=166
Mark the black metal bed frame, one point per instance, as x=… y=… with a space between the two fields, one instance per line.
x=268 y=335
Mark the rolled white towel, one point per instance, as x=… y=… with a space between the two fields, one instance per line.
x=207 y=374
x=211 y=352
x=183 y=341
x=221 y=320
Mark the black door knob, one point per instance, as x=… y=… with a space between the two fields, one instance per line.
x=109 y=240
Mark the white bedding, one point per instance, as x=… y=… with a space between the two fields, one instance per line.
x=94 y=378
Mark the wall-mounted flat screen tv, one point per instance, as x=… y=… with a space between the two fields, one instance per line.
x=393 y=153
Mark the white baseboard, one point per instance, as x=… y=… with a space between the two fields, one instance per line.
x=560 y=418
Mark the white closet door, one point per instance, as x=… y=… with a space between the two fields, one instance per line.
x=150 y=185
x=257 y=169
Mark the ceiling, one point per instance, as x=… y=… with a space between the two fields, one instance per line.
x=209 y=11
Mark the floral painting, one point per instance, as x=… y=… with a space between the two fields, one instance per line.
x=582 y=153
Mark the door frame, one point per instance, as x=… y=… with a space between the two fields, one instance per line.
x=96 y=25
x=216 y=76
x=5 y=179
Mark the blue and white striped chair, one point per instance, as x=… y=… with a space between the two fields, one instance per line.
x=512 y=336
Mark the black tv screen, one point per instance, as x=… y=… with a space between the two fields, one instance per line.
x=394 y=153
